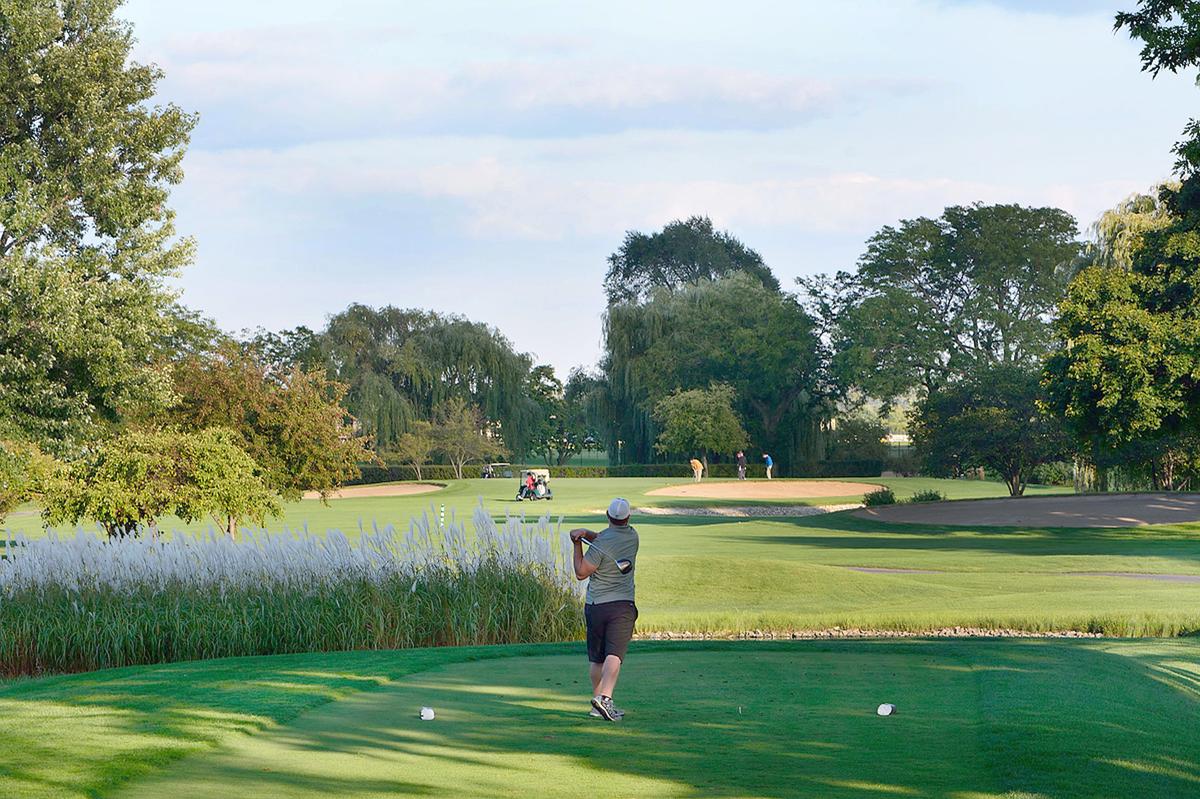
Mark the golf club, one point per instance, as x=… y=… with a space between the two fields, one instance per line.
x=624 y=566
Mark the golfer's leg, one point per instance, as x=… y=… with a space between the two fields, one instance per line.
x=595 y=645
x=609 y=674
x=595 y=670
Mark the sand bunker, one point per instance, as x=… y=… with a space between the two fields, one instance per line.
x=764 y=489
x=1089 y=510
x=395 y=490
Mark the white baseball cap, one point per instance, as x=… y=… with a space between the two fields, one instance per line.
x=618 y=509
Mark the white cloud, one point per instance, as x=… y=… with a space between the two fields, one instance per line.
x=306 y=83
x=507 y=192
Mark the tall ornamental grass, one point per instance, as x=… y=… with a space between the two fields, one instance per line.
x=77 y=603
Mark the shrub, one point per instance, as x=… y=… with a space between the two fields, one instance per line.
x=882 y=496
x=928 y=496
x=79 y=603
x=1057 y=473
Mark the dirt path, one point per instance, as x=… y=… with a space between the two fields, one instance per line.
x=1087 y=510
x=764 y=489
x=392 y=490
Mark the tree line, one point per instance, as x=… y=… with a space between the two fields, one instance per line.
x=1013 y=340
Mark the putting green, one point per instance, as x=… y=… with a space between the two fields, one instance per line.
x=975 y=720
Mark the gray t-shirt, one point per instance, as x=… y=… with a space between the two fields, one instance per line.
x=611 y=547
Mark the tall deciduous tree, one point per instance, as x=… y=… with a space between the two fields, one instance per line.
x=292 y=424
x=459 y=435
x=86 y=236
x=1127 y=366
x=222 y=482
x=992 y=420
x=934 y=300
x=1126 y=371
x=416 y=446
x=699 y=421
x=684 y=253
x=132 y=480
x=734 y=331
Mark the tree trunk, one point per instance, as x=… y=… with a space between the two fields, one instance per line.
x=704 y=460
x=231 y=526
x=1016 y=486
x=417 y=468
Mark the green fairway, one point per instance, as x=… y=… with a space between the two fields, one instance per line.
x=572 y=496
x=975 y=719
x=723 y=575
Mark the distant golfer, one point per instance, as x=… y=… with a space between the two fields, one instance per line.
x=697 y=469
x=741 y=464
x=609 y=607
x=770 y=464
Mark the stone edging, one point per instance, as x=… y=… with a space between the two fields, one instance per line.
x=855 y=632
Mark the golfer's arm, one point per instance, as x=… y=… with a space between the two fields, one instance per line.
x=583 y=569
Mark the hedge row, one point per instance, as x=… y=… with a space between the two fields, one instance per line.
x=393 y=472
x=371 y=473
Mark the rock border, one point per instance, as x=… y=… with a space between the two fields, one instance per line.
x=837 y=633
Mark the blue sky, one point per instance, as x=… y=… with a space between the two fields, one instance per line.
x=483 y=158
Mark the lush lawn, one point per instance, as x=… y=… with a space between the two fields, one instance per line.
x=715 y=574
x=976 y=719
x=571 y=496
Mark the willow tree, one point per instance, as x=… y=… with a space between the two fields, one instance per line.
x=733 y=331
x=1120 y=231
x=684 y=253
x=87 y=159
x=402 y=365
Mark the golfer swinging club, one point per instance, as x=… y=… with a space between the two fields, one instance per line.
x=609 y=607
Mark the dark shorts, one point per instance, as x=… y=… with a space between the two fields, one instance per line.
x=609 y=628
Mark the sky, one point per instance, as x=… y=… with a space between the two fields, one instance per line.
x=484 y=158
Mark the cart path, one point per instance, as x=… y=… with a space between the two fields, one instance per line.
x=1085 y=510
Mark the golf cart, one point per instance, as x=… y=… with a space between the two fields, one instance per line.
x=535 y=484
x=502 y=469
